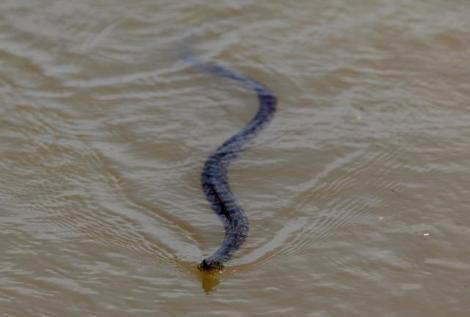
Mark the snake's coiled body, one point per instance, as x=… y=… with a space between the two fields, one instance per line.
x=214 y=174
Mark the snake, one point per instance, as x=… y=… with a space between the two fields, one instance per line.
x=214 y=180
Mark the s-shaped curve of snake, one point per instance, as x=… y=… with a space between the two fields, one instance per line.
x=214 y=173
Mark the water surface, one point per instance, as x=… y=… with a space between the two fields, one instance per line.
x=357 y=192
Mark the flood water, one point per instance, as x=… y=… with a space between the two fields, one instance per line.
x=357 y=192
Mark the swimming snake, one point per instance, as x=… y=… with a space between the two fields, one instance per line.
x=214 y=173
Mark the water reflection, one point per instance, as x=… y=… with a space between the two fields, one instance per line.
x=210 y=280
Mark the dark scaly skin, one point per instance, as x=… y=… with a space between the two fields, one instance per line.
x=214 y=174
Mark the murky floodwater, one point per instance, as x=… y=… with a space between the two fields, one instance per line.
x=357 y=192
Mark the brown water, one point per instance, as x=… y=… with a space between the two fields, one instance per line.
x=357 y=192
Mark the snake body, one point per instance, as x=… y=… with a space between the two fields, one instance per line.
x=214 y=173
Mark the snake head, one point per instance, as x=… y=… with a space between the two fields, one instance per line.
x=208 y=265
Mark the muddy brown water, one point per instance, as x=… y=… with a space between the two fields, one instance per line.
x=357 y=192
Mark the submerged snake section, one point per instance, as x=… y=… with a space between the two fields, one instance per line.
x=214 y=173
